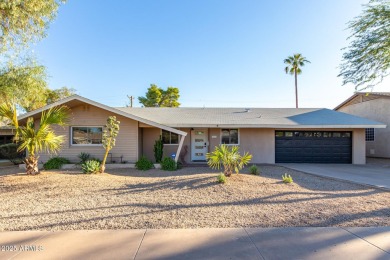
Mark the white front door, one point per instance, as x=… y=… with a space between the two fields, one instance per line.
x=199 y=144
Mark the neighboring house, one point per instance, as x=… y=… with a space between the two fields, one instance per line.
x=374 y=106
x=271 y=135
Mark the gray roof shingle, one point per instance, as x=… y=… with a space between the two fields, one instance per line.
x=252 y=118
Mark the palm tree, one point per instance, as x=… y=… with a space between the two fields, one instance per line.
x=37 y=139
x=294 y=64
x=229 y=157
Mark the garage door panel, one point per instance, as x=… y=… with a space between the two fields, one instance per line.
x=313 y=147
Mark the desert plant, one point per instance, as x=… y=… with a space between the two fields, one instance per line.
x=254 y=170
x=110 y=133
x=84 y=157
x=144 y=164
x=221 y=178
x=55 y=163
x=37 y=138
x=158 y=150
x=168 y=164
x=287 y=178
x=229 y=157
x=91 y=166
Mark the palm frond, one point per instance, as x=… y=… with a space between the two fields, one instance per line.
x=55 y=116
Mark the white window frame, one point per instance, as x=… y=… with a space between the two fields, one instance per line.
x=85 y=126
x=170 y=138
x=238 y=132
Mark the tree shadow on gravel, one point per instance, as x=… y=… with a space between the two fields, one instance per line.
x=185 y=184
x=153 y=173
x=335 y=220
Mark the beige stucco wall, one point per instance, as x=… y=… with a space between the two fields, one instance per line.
x=377 y=110
x=151 y=134
x=258 y=142
x=359 y=146
x=87 y=115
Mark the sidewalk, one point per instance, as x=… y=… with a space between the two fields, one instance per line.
x=231 y=243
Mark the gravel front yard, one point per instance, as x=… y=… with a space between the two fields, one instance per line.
x=188 y=198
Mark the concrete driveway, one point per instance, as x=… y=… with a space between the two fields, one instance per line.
x=369 y=174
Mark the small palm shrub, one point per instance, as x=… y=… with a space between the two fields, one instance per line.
x=254 y=170
x=55 y=163
x=144 y=164
x=287 y=178
x=84 y=157
x=221 y=178
x=91 y=166
x=229 y=157
x=168 y=164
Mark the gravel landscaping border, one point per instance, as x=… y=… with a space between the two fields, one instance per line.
x=187 y=198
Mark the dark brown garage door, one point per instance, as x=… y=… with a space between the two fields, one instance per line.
x=313 y=147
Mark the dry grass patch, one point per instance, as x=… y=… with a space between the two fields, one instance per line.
x=188 y=198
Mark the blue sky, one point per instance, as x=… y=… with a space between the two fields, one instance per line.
x=219 y=53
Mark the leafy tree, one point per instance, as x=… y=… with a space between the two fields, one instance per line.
x=23 y=22
x=37 y=139
x=57 y=94
x=229 y=157
x=26 y=86
x=294 y=64
x=110 y=133
x=366 y=60
x=157 y=97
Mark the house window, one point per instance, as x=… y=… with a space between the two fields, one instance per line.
x=229 y=136
x=370 y=134
x=169 y=137
x=83 y=135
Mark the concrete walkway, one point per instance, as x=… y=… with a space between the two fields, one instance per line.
x=233 y=243
x=373 y=175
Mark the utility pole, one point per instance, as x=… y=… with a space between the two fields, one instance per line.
x=131 y=100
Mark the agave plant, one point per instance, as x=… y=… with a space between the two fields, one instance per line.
x=229 y=157
x=37 y=139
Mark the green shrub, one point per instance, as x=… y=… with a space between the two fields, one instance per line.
x=144 y=164
x=254 y=170
x=84 y=157
x=179 y=165
x=287 y=178
x=91 y=166
x=9 y=151
x=168 y=164
x=55 y=163
x=158 y=150
x=221 y=178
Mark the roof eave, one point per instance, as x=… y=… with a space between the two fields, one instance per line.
x=111 y=109
x=278 y=126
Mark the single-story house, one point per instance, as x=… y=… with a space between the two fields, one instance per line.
x=7 y=133
x=374 y=106
x=271 y=135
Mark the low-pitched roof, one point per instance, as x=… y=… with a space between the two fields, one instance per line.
x=111 y=109
x=368 y=95
x=252 y=118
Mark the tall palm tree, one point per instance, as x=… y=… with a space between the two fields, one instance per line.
x=37 y=139
x=294 y=64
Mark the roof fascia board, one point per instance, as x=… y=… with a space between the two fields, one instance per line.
x=282 y=126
